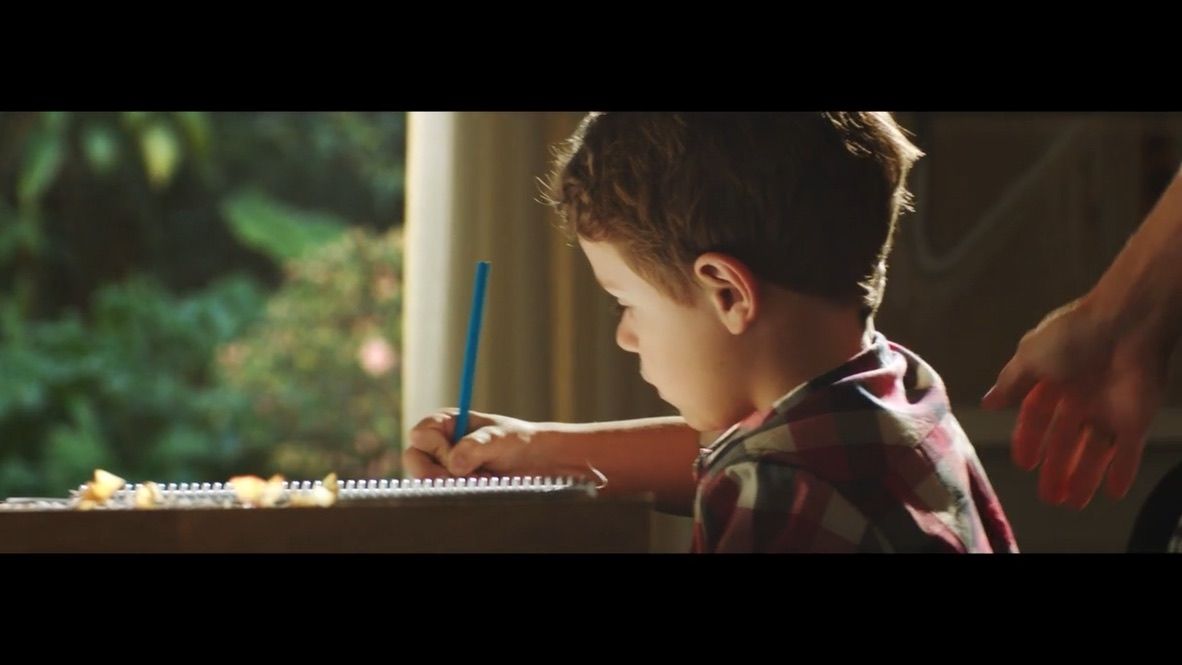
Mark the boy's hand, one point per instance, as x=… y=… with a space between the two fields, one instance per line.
x=495 y=445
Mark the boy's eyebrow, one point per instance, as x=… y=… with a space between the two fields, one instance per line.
x=610 y=287
x=605 y=283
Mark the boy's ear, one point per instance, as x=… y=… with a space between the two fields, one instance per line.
x=730 y=287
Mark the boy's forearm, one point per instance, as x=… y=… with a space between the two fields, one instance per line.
x=646 y=455
x=1143 y=287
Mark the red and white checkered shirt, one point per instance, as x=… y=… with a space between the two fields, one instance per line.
x=865 y=458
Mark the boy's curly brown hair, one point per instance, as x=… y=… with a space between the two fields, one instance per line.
x=808 y=201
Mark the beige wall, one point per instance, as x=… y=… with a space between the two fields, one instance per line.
x=1056 y=195
x=1016 y=214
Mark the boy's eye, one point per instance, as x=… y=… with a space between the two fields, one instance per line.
x=620 y=309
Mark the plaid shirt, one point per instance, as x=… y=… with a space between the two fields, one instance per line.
x=865 y=458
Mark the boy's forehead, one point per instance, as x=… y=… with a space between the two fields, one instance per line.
x=606 y=262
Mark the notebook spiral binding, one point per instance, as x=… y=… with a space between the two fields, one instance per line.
x=199 y=495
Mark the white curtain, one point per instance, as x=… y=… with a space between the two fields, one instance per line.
x=547 y=349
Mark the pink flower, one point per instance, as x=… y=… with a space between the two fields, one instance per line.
x=376 y=356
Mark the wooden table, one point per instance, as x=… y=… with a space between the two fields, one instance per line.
x=420 y=525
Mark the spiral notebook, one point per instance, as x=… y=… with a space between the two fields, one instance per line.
x=350 y=492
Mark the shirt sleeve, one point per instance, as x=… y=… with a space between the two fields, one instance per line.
x=765 y=506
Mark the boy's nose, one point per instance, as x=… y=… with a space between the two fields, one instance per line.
x=625 y=338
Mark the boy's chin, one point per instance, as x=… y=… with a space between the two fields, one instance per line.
x=697 y=422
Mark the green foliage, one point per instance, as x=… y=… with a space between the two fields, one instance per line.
x=88 y=198
x=279 y=231
x=133 y=392
x=136 y=250
x=322 y=365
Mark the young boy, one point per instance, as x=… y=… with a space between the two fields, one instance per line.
x=747 y=252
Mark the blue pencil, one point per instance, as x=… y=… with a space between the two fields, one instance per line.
x=470 y=349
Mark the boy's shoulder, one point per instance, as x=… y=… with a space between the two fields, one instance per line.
x=885 y=391
x=864 y=419
x=872 y=451
x=890 y=416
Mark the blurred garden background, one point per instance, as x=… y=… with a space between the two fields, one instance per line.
x=190 y=296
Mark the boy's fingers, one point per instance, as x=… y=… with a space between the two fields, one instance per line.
x=472 y=452
x=420 y=465
x=432 y=437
